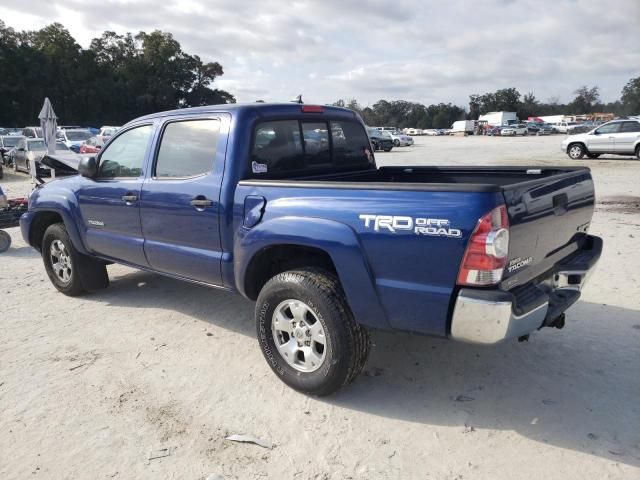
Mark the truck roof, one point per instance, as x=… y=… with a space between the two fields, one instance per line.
x=259 y=108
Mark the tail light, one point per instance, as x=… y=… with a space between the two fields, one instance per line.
x=486 y=255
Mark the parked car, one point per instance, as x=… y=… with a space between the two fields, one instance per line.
x=566 y=127
x=380 y=139
x=107 y=131
x=32 y=132
x=618 y=137
x=414 y=132
x=29 y=149
x=432 y=132
x=513 y=130
x=400 y=139
x=544 y=128
x=7 y=143
x=328 y=245
x=92 y=145
x=73 y=139
x=494 y=131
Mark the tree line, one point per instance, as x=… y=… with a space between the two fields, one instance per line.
x=118 y=78
x=403 y=114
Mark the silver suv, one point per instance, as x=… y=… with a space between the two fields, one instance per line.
x=619 y=137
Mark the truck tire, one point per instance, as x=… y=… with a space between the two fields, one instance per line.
x=5 y=241
x=69 y=271
x=638 y=152
x=307 y=332
x=576 y=151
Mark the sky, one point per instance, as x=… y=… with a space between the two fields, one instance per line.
x=425 y=51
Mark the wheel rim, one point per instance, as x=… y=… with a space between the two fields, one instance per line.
x=60 y=261
x=574 y=152
x=299 y=336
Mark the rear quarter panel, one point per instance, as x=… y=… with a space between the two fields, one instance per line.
x=412 y=277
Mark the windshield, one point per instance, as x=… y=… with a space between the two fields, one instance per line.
x=10 y=141
x=77 y=136
x=36 y=146
x=385 y=134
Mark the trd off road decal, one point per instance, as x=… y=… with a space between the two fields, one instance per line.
x=434 y=227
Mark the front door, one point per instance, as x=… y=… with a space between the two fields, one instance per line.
x=110 y=203
x=602 y=140
x=180 y=200
x=627 y=138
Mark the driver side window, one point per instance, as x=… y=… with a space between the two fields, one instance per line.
x=125 y=155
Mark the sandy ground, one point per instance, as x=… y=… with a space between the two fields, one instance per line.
x=93 y=387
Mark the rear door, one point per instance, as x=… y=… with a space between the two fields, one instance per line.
x=602 y=140
x=627 y=137
x=109 y=204
x=180 y=201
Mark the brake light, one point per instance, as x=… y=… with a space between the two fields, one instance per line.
x=486 y=255
x=312 y=109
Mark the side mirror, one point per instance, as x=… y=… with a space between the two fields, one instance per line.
x=88 y=167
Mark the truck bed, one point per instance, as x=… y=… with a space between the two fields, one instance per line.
x=549 y=208
x=453 y=178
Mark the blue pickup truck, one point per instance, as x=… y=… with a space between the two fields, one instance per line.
x=284 y=204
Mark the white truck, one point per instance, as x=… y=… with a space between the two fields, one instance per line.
x=462 y=126
x=497 y=119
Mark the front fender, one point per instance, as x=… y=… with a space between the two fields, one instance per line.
x=54 y=200
x=336 y=239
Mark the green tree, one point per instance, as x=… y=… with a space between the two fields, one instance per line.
x=117 y=78
x=630 y=98
x=585 y=99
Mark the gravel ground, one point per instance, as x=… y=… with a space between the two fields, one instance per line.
x=147 y=378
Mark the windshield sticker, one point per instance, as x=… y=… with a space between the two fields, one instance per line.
x=259 y=167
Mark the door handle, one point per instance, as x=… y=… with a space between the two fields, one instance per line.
x=201 y=202
x=129 y=198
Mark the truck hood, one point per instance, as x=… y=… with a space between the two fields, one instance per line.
x=66 y=162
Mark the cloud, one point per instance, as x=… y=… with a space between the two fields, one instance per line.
x=423 y=51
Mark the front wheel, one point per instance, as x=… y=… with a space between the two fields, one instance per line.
x=396 y=143
x=307 y=332
x=576 y=151
x=69 y=271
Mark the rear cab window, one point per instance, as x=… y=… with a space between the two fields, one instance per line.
x=282 y=148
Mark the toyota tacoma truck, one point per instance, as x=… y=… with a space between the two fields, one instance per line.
x=284 y=204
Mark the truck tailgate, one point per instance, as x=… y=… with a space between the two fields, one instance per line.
x=548 y=218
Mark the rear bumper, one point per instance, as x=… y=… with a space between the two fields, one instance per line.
x=491 y=316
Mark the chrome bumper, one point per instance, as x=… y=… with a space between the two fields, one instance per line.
x=486 y=322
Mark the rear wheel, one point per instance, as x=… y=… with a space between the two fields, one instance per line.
x=307 y=332
x=69 y=271
x=576 y=151
x=638 y=152
x=5 y=241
